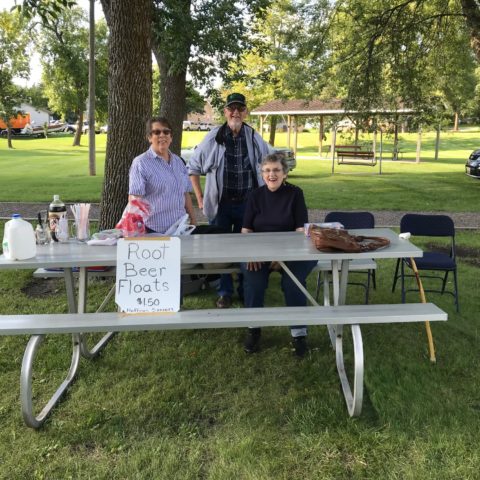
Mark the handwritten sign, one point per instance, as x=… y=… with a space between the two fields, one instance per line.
x=148 y=274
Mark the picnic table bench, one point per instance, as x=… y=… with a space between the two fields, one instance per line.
x=288 y=246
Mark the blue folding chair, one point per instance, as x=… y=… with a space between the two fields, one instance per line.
x=350 y=220
x=436 y=261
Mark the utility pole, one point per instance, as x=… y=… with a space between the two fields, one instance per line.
x=91 y=93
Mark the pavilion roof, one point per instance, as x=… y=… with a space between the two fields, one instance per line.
x=312 y=107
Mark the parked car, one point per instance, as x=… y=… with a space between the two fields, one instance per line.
x=85 y=128
x=287 y=152
x=70 y=128
x=206 y=126
x=104 y=129
x=472 y=167
x=189 y=125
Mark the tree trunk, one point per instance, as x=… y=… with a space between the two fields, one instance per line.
x=129 y=99
x=437 y=142
x=471 y=10
x=9 y=137
x=173 y=98
x=273 y=129
x=419 y=144
x=78 y=132
x=455 y=122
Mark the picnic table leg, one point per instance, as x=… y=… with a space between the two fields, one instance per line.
x=82 y=303
x=32 y=420
x=354 y=401
x=339 y=280
x=331 y=330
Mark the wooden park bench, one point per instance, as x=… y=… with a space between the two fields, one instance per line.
x=356 y=157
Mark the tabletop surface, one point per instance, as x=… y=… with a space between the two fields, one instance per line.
x=225 y=248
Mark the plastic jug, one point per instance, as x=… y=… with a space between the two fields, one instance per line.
x=18 y=239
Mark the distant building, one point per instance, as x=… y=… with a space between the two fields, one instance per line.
x=38 y=116
x=208 y=116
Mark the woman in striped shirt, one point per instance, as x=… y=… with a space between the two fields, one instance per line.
x=161 y=177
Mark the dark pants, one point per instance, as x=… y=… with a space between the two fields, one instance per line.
x=230 y=218
x=256 y=282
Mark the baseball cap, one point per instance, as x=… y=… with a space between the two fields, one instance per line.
x=236 y=98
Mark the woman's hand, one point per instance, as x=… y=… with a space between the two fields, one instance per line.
x=254 y=266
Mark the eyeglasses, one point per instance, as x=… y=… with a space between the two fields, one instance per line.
x=165 y=131
x=272 y=170
x=240 y=108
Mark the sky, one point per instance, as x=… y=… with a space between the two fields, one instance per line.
x=35 y=67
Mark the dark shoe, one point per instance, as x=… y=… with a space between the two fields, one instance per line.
x=250 y=345
x=224 y=301
x=300 y=345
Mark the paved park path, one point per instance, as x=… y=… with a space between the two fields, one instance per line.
x=383 y=218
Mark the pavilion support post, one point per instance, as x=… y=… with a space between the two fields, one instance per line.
x=333 y=133
x=289 y=130
x=437 y=142
x=261 y=125
x=419 y=144
x=295 y=140
x=381 y=152
x=356 y=133
x=320 y=136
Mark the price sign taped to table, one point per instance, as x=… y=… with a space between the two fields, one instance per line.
x=148 y=274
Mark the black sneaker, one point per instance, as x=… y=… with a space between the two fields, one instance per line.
x=250 y=344
x=300 y=345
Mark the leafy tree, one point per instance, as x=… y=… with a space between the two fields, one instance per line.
x=36 y=96
x=64 y=50
x=201 y=36
x=194 y=101
x=13 y=62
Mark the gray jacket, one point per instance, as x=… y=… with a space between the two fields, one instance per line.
x=209 y=159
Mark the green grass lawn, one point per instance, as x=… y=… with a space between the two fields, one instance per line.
x=38 y=168
x=192 y=405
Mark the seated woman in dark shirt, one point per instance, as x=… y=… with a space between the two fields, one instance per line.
x=275 y=207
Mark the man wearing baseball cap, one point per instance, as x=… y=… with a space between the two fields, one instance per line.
x=229 y=156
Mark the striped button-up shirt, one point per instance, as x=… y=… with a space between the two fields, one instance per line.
x=163 y=184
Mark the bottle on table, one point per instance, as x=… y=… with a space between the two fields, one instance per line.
x=56 y=210
x=18 y=239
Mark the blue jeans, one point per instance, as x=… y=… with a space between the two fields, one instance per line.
x=255 y=284
x=230 y=218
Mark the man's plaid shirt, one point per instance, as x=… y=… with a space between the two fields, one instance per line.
x=237 y=173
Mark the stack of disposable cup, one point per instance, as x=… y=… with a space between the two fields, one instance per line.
x=80 y=213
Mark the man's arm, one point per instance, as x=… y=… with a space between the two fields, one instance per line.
x=197 y=188
x=189 y=208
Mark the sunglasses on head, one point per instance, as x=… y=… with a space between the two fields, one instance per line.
x=165 y=131
x=240 y=108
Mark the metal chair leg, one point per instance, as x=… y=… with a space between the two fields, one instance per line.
x=402 y=280
x=395 y=276
x=455 y=285
x=367 y=287
x=444 y=282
